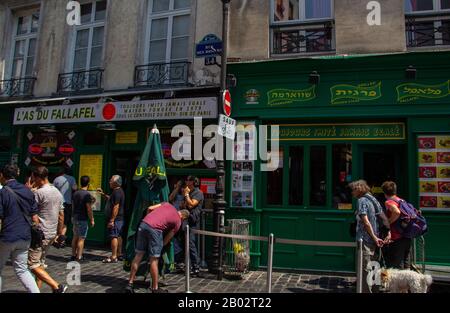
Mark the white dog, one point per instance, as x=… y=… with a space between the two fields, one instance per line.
x=402 y=281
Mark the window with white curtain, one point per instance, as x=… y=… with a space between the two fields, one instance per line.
x=88 y=38
x=24 y=45
x=168 y=31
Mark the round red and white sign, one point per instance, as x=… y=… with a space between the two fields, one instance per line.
x=227 y=103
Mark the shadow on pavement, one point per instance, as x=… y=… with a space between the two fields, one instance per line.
x=117 y=285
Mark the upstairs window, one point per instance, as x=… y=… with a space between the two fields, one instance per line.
x=89 y=37
x=24 y=45
x=427 y=23
x=301 y=10
x=302 y=26
x=414 y=6
x=169 y=24
x=84 y=68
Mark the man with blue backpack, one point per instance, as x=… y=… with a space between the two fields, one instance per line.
x=406 y=223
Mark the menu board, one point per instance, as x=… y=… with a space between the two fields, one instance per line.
x=434 y=171
x=243 y=172
x=91 y=165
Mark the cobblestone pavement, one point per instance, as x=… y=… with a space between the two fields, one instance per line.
x=97 y=277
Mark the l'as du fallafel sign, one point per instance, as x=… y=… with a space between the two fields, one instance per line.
x=164 y=109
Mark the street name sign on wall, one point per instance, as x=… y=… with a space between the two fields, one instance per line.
x=164 y=109
x=210 y=46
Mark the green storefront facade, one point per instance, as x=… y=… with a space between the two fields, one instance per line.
x=364 y=119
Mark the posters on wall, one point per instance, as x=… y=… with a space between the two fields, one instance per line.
x=208 y=187
x=242 y=175
x=434 y=171
x=50 y=149
x=91 y=165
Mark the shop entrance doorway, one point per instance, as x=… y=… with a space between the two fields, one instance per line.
x=124 y=163
x=381 y=163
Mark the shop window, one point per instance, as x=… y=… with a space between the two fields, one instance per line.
x=342 y=176
x=296 y=168
x=274 y=191
x=94 y=138
x=186 y=151
x=318 y=174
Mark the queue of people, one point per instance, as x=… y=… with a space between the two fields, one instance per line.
x=378 y=228
x=34 y=216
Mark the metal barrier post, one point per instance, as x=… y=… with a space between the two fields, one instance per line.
x=220 y=268
x=203 y=261
x=359 y=268
x=422 y=252
x=269 y=263
x=187 y=265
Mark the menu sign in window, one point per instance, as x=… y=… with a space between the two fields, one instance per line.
x=91 y=165
x=434 y=171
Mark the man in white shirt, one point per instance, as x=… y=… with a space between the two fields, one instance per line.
x=67 y=185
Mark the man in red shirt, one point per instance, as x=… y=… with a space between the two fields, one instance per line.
x=156 y=230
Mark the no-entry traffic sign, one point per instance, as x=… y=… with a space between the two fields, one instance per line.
x=227 y=103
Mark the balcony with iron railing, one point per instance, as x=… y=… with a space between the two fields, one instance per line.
x=17 y=87
x=80 y=81
x=427 y=31
x=159 y=75
x=305 y=38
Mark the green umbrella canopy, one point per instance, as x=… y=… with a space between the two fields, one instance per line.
x=150 y=177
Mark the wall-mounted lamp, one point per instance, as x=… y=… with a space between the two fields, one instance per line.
x=170 y=94
x=231 y=81
x=314 y=78
x=107 y=126
x=411 y=72
x=48 y=128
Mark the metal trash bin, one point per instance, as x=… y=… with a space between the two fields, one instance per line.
x=237 y=259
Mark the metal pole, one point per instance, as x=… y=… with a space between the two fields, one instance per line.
x=203 y=262
x=422 y=252
x=187 y=265
x=269 y=263
x=220 y=268
x=359 y=268
x=219 y=201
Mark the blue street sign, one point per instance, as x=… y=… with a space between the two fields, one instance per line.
x=210 y=46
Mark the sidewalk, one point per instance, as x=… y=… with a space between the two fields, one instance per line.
x=97 y=277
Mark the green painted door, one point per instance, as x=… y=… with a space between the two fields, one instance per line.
x=380 y=163
x=124 y=163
